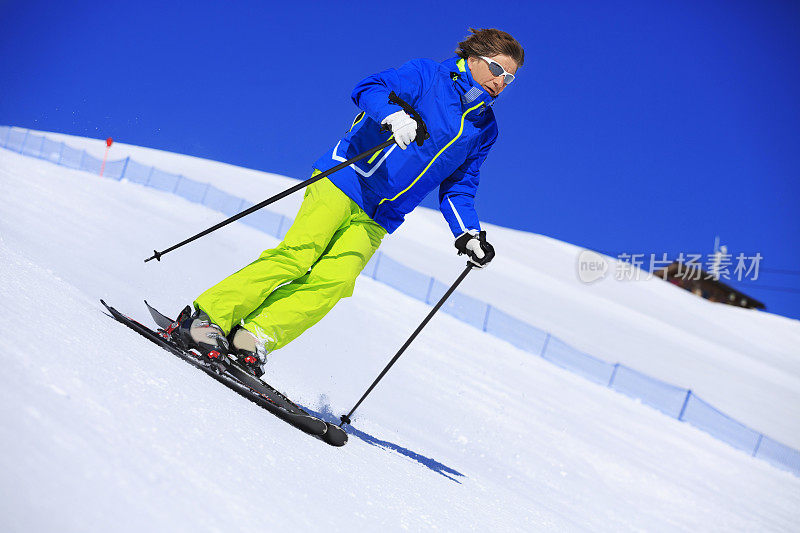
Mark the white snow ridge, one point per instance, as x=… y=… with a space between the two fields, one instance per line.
x=103 y=431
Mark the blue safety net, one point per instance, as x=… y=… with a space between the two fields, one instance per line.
x=667 y=398
x=402 y=278
x=163 y=181
x=14 y=140
x=710 y=419
x=137 y=173
x=267 y=221
x=565 y=356
x=50 y=150
x=779 y=455
x=515 y=331
x=222 y=201
x=114 y=169
x=90 y=164
x=463 y=307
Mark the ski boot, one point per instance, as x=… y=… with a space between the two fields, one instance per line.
x=249 y=351
x=195 y=331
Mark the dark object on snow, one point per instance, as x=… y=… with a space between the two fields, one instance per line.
x=699 y=282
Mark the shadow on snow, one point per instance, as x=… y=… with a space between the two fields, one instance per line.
x=327 y=415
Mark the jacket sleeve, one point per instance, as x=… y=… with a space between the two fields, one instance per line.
x=409 y=82
x=457 y=192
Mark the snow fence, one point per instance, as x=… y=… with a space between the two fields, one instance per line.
x=675 y=402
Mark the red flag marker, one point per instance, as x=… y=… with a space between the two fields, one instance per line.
x=108 y=145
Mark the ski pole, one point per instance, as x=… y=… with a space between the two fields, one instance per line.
x=157 y=255
x=422 y=134
x=346 y=418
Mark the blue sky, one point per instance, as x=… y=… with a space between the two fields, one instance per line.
x=634 y=127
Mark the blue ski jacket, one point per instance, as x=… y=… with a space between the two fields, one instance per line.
x=462 y=127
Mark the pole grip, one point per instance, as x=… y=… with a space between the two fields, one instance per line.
x=422 y=129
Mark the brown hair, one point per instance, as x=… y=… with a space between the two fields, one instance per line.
x=490 y=42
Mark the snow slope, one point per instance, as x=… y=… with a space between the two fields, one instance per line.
x=744 y=362
x=102 y=430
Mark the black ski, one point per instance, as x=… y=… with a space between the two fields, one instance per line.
x=236 y=378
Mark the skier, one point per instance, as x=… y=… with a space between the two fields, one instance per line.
x=343 y=218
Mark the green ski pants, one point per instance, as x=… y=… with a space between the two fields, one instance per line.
x=291 y=287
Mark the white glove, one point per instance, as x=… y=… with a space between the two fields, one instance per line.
x=404 y=128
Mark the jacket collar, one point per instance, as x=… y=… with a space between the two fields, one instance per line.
x=469 y=90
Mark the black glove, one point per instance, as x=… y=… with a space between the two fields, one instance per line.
x=475 y=246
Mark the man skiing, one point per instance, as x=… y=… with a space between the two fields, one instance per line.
x=343 y=218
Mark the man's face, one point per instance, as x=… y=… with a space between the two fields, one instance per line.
x=493 y=85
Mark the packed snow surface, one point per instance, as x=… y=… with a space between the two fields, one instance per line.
x=742 y=361
x=102 y=430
